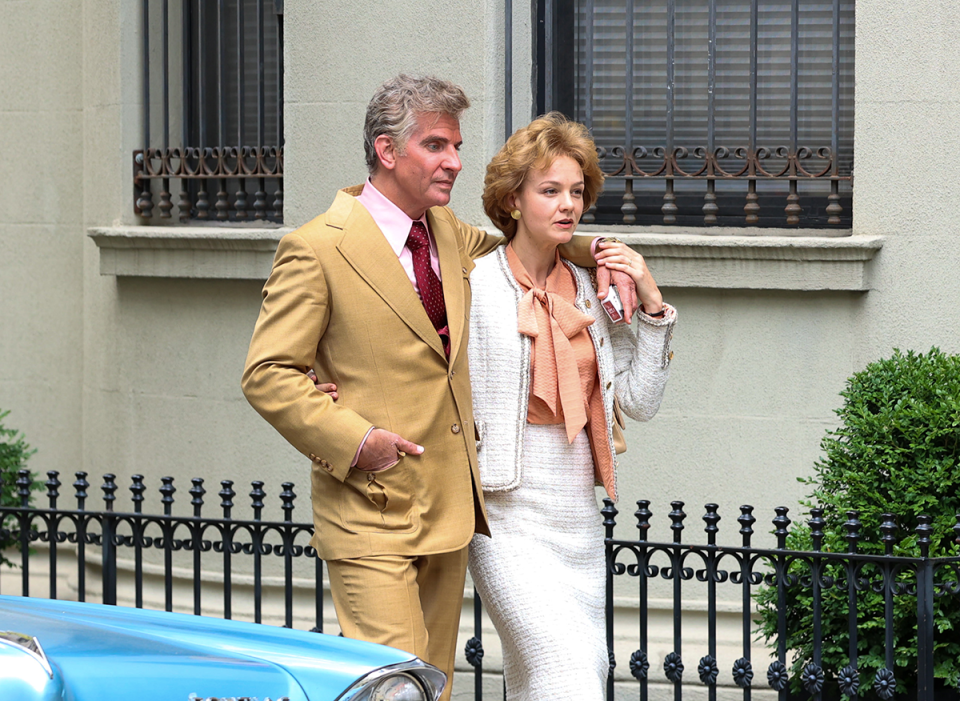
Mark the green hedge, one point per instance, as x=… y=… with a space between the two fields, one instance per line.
x=14 y=453
x=898 y=451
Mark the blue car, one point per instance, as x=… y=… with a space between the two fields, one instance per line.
x=67 y=651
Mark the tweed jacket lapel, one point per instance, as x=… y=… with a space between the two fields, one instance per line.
x=451 y=274
x=367 y=251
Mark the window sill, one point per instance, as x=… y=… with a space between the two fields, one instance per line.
x=677 y=260
x=787 y=262
x=210 y=252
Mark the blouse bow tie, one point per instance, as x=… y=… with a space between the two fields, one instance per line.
x=551 y=321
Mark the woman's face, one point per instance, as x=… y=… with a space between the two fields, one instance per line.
x=550 y=203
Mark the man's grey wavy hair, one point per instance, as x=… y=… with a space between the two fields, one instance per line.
x=395 y=105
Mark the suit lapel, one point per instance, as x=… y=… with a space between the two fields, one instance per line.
x=451 y=273
x=367 y=251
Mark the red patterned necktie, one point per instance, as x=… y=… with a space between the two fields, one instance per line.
x=431 y=291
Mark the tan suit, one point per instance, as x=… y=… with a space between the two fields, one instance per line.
x=339 y=301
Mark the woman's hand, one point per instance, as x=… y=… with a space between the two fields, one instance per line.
x=620 y=257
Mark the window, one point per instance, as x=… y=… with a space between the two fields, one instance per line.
x=709 y=112
x=212 y=111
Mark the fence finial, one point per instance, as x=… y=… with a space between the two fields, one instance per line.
x=80 y=487
x=257 y=494
x=889 y=530
x=137 y=489
x=226 y=497
x=23 y=486
x=711 y=518
x=746 y=519
x=643 y=515
x=109 y=487
x=167 y=490
x=197 y=491
x=287 y=496
x=53 y=487
x=816 y=523
x=781 y=523
x=852 y=527
x=677 y=516
x=924 y=531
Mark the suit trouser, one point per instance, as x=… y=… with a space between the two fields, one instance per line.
x=408 y=602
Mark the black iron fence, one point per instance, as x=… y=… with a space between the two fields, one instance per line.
x=233 y=544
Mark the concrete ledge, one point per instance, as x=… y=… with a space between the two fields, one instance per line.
x=757 y=262
x=726 y=261
x=234 y=253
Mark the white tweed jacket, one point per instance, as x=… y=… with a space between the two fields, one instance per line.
x=634 y=368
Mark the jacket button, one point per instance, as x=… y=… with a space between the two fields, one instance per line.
x=369 y=477
x=601 y=342
x=455 y=428
x=587 y=303
x=608 y=385
x=670 y=357
x=464 y=270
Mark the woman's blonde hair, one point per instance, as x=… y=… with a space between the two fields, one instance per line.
x=537 y=146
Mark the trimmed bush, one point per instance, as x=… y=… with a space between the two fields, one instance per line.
x=897 y=451
x=14 y=453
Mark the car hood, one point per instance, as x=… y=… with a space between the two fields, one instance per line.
x=110 y=653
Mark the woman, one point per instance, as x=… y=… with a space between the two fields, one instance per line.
x=546 y=365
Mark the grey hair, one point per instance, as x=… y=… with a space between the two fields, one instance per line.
x=394 y=107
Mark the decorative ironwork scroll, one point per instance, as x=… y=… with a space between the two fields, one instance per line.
x=239 y=174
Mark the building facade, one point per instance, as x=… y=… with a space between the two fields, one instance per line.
x=123 y=337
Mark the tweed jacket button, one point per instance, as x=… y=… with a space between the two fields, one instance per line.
x=455 y=428
x=601 y=342
x=608 y=385
x=587 y=303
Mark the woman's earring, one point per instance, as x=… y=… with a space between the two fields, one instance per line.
x=515 y=214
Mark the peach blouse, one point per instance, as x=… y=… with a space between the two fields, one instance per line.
x=564 y=387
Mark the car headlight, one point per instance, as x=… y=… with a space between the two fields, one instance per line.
x=409 y=681
x=398 y=687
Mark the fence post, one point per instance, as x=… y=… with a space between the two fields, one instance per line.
x=924 y=611
x=109 y=552
x=474 y=648
x=609 y=512
x=23 y=483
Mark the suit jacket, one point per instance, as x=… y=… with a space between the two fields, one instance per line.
x=339 y=301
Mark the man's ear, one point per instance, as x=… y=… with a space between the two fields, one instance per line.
x=386 y=151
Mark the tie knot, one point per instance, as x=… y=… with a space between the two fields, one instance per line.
x=418 y=236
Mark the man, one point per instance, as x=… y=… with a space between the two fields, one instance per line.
x=374 y=295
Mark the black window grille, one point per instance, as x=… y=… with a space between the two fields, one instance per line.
x=212 y=123
x=708 y=112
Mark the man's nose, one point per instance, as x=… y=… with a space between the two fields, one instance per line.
x=452 y=161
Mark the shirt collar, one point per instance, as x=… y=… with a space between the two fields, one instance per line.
x=392 y=221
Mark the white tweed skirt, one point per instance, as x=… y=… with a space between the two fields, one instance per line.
x=541 y=576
